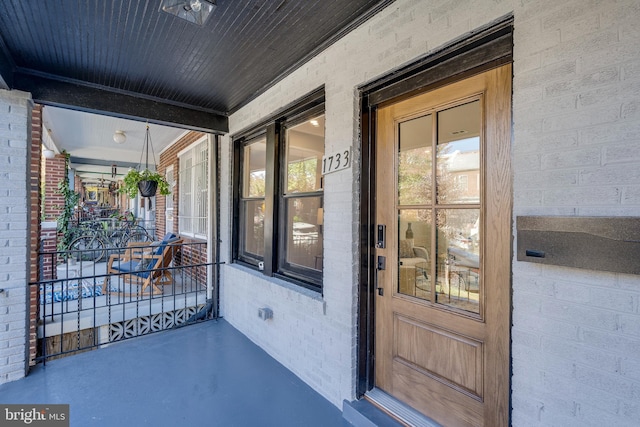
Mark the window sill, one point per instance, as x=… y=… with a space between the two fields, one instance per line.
x=315 y=295
x=191 y=236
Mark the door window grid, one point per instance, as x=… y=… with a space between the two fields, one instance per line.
x=445 y=222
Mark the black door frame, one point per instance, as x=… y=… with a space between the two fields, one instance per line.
x=486 y=48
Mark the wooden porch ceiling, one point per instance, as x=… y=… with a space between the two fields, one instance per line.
x=126 y=58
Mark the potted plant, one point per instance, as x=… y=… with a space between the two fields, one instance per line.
x=145 y=182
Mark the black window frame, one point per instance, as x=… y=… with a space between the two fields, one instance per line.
x=273 y=263
x=244 y=256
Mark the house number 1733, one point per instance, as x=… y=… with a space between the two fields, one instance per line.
x=336 y=161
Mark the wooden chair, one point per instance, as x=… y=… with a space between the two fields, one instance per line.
x=144 y=264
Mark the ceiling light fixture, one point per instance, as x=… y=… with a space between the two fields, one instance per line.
x=314 y=122
x=195 y=11
x=48 y=154
x=119 y=137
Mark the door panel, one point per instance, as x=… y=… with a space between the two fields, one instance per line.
x=443 y=190
x=457 y=363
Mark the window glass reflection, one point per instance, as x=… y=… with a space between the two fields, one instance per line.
x=414 y=245
x=254 y=170
x=458 y=243
x=304 y=232
x=458 y=154
x=305 y=148
x=415 y=161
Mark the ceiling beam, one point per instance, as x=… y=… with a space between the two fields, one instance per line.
x=100 y=100
x=100 y=162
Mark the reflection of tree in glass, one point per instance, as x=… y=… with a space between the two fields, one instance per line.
x=414 y=176
x=256 y=184
x=302 y=175
x=445 y=180
x=459 y=226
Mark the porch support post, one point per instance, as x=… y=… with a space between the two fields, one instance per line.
x=15 y=148
x=212 y=238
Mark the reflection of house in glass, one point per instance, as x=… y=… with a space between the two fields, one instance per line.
x=464 y=174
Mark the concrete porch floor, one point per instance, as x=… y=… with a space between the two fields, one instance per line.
x=201 y=375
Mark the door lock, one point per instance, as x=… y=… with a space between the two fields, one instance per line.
x=382 y=237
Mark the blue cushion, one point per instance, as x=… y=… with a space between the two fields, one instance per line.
x=166 y=239
x=133 y=267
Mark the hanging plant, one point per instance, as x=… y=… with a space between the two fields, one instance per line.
x=145 y=182
x=134 y=180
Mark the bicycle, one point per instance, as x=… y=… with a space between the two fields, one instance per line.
x=96 y=240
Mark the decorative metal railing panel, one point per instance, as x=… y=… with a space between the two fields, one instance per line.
x=147 y=324
x=135 y=291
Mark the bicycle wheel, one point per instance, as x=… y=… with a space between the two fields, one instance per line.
x=87 y=248
x=138 y=234
x=118 y=239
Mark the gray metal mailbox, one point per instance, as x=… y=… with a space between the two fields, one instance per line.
x=595 y=243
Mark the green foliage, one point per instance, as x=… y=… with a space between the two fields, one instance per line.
x=134 y=176
x=302 y=175
x=70 y=202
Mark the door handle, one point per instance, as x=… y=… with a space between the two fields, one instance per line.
x=380 y=265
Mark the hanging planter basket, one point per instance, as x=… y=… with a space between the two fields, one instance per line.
x=147 y=188
x=146 y=182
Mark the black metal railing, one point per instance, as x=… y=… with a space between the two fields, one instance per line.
x=135 y=291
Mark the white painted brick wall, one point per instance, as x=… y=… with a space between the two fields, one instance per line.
x=316 y=337
x=15 y=108
x=576 y=343
x=576 y=151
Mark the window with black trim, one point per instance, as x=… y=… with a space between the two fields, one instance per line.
x=278 y=189
x=252 y=200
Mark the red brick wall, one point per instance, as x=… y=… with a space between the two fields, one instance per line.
x=196 y=254
x=34 y=225
x=167 y=158
x=78 y=187
x=53 y=174
x=49 y=246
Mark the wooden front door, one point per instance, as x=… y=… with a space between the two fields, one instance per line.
x=443 y=192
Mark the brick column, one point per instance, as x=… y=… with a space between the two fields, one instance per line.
x=15 y=124
x=35 y=161
x=53 y=175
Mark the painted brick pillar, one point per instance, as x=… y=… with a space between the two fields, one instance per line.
x=15 y=125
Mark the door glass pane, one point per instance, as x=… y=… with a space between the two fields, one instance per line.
x=458 y=264
x=254 y=172
x=414 y=161
x=458 y=155
x=414 y=244
x=252 y=238
x=305 y=148
x=304 y=220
